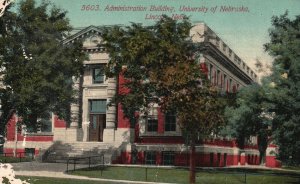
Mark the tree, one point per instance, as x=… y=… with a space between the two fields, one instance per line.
x=275 y=103
x=248 y=117
x=160 y=67
x=283 y=86
x=37 y=69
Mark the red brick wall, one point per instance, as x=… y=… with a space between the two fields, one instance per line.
x=58 y=123
x=182 y=159
x=11 y=125
x=271 y=161
x=122 y=121
x=9 y=152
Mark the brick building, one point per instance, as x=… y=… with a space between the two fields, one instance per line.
x=96 y=128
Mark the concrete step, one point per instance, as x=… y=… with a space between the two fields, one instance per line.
x=62 y=151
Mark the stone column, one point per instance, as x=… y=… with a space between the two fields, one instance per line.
x=73 y=133
x=85 y=128
x=243 y=159
x=74 y=115
x=110 y=135
x=75 y=106
x=110 y=117
x=111 y=111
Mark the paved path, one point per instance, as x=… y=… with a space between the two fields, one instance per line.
x=57 y=170
x=264 y=167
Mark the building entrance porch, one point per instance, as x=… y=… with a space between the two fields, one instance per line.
x=97 y=126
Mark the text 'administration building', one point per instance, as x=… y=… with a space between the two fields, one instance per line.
x=96 y=128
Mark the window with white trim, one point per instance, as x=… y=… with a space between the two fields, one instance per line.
x=152 y=120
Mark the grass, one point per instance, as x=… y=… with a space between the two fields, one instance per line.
x=4 y=159
x=296 y=168
x=48 y=180
x=172 y=175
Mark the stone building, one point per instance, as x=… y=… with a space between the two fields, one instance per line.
x=96 y=128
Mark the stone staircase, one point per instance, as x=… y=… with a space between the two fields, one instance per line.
x=62 y=151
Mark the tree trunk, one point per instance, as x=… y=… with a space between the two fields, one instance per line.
x=192 y=163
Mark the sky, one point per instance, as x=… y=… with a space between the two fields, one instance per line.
x=244 y=32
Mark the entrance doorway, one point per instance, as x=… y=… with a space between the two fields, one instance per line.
x=98 y=123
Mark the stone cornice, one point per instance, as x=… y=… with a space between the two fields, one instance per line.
x=210 y=49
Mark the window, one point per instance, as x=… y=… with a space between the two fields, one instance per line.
x=29 y=152
x=218 y=159
x=225 y=82
x=152 y=125
x=210 y=72
x=230 y=85
x=218 y=77
x=170 y=122
x=98 y=106
x=168 y=158
x=98 y=74
x=46 y=125
x=152 y=120
x=150 y=157
x=211 y=158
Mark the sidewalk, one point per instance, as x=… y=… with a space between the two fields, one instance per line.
x=264 y=167
x=57 y=170
x=63 y=175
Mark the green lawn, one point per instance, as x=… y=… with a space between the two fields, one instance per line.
x=45 y=180
x=296 y=168
x=230 y=176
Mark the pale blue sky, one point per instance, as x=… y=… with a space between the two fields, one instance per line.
x=245 y=33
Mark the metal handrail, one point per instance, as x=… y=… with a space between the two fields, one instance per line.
x=83 y=158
